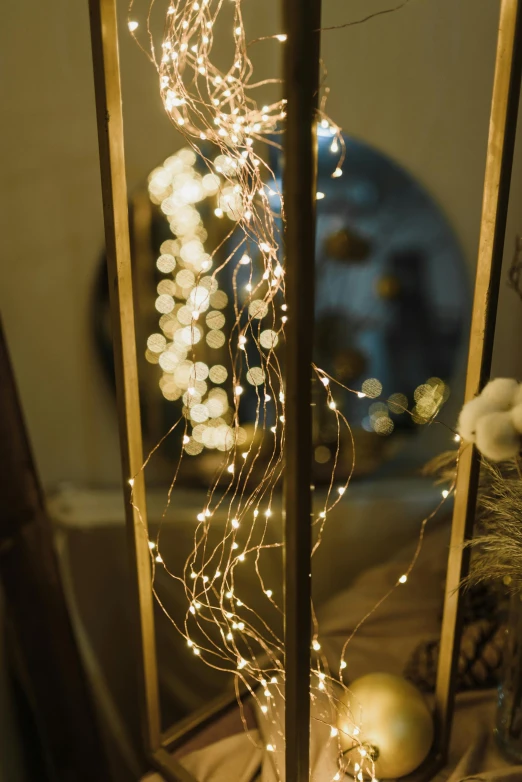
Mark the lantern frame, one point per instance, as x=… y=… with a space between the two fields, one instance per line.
x=301 y=69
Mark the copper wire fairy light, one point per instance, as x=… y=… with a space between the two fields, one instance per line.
x=215 y=106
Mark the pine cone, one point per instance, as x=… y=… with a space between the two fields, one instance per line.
x=480 y=658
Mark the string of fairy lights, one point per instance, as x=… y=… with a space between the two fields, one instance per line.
x=215 y=106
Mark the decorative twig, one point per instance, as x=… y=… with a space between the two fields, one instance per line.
x=366 y=18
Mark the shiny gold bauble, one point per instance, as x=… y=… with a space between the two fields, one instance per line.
x=395 y=724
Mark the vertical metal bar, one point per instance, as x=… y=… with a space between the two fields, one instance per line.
x=499 y=161
x=302 y=19
x=104 y=41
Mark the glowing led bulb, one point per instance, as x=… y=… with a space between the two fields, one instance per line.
x=337 y=173
x=316 y=645
x=268 y=512
x=218 y=212
x=196 y=651
x=268 y=592
x=152 y=545
x=245 y=259
x=334 y=732
x=332 y=405
x=238 y=390
x=319 y=196
x=325 y=123
x=264 y=709
x=341 y=490
x=131 y=481
x=248 y=287
x=322 y=514
x=241 y=664
x=403 y=579
x=281 y=38
x=159 y=558
x=238 y=31
x=343 y=665
x=361 y=394
x=325 y=381
x=270 y=748
x=334 y=146
x=186 y=438
x=445 y=493
x=235 y=523
x=457 y=438
x=201 y=517
x=230 y=468
x=133 y=26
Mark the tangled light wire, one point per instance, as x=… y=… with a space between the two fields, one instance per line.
x=218 y=107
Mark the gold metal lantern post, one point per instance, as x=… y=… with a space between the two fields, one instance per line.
x=301 y=68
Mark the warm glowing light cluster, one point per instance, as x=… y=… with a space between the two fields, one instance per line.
x=191 y=306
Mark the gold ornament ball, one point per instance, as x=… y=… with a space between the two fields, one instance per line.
x=393 y=719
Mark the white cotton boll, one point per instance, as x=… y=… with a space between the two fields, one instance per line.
x=469 y=416
x=517 y=397
x=497 y=438
x=516 y=417
x=500 y=392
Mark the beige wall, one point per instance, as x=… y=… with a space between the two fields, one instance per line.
x=416 y=84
